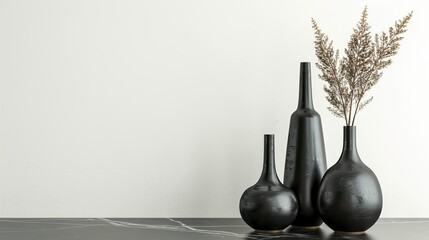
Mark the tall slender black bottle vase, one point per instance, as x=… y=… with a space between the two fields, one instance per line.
x=305 y=154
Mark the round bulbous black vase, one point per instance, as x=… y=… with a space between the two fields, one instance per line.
x=268 y=206
x=350 y=198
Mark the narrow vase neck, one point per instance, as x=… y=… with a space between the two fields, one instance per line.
x=305 y=96
x=269 y=174
x=350 y=152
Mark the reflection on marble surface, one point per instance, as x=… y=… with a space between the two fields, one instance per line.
x=190 y=228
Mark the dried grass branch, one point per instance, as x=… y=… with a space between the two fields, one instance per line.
x=350 y=77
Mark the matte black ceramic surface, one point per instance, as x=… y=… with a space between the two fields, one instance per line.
x=305 y=156
x=268 y=205
x=350 y=198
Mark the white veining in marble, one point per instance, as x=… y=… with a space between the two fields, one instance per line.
x=138 y=225
x=184 y=227
x=38 y=226
x=224 y=233
x=30 y=229
x=180 y=227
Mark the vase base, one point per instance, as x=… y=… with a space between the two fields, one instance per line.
x=306 y=227
x=350 y=233
x=268 y=231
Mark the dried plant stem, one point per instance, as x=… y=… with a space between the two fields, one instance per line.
x=351 y=77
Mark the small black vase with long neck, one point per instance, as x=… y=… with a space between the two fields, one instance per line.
x=268 y=205
x=350 y=197
x=305 y=157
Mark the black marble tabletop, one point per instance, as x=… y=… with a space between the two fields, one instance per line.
x=189 y=229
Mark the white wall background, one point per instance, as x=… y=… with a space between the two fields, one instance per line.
x=158 y=108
